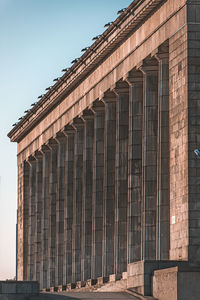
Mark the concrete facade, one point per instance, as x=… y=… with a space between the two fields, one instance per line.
x=107 y=174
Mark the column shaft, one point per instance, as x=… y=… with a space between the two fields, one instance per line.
x=163 y=219
x=53 y=179
x=60 y=210
x=38 y=212
x=32 y=221
x=121 y=177
x=68 y=208
x=77 y=205
x=98 y=192
x=135 y=168
x=109 y=186
x=45 y=220
x=150 y=162
x=87 y=197
x=25 y=203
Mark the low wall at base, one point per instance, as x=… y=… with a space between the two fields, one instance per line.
x=178 y=283
x=18 y=290
x=140 y=274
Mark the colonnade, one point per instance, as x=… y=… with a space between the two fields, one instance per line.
x=97 y=194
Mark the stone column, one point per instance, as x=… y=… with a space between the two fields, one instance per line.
x=88 y=118
x=163 y=218
x=45 y=210
x=98 y=189
x=109 y=183
x=53 y=187
x=135 y=81
x=68 y=204
x=149 y=191
x=61 y=140
x=78 y=198
x=32 y=220
x=38 y=213
x=23 y=219
x=121 y=176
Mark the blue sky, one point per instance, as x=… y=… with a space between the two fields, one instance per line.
x=38 y=38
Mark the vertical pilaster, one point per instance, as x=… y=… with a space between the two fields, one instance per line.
x=53 y=187
x=23 y=219
x=88 y=118
x=163 y=218
x=32 y=220
x=121 y=176
x=68 y=204
x=78 y=198
x=150 y=125
x=38 y=213
x=109 y=184
x=98 y=189
x=135 y=81
x=61 y=140
x=45 y=282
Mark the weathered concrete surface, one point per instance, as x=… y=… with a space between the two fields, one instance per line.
x=91 y=296
x=133 y=162
x=18 y=290
x=176 y=284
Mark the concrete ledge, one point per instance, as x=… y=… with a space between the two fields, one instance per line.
x=140 y=274
x=178 y=283
x=19 y=287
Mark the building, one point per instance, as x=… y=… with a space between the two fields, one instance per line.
x=108 y=181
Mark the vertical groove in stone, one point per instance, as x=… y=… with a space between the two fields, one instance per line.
x=135 y=167
x=52 y=211
x=163 y=219
x=68 y=208
x=32 y=220
x=121 y=179
x=77 y=204
x=150 y=125
x=45 y=219
x=98 y=191
x=24 y=194
x=87 y=196
x=38 y=215
x=60 y=209
x=109 y=186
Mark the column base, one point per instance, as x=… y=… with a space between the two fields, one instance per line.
x=91 y=282
x=140 y=274
x=102 y=280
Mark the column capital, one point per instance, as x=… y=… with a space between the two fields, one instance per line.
x=60 y=137
x=149 y=66
x=77 y=123
x=31 y=160
x=87 y=114
x=97 y=106
x=161 y=53
x=120 y=87
x=38 y=154
x=68 y=130
x=44 y=149
x=108 y=97
x=52 y=143
x=134 y=77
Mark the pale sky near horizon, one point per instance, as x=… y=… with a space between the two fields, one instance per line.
x=38 y=38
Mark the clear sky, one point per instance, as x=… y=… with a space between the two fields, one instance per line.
x=38 y=38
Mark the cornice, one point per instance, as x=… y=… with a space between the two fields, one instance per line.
x=116 y=33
